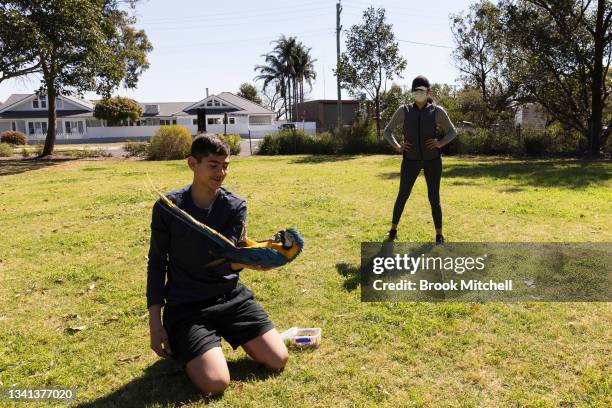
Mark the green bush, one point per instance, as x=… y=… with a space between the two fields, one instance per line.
x=358 y=139
x=483 y=141
x=14 y=138
x=170 y=143
x=296 y=141
x=38 y=148
x=361 y=138
x=233 y=142
x=139 y=149
x=25 y=153
x=87 y=153
x=6 y=150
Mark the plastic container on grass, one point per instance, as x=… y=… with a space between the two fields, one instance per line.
x=302 y=337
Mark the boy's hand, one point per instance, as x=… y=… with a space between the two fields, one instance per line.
x=160 y=343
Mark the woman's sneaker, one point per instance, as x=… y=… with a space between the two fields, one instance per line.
x=439 y=239
x=392 y=235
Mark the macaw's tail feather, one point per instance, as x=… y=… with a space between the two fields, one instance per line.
x=283 y=248
x=194 y=224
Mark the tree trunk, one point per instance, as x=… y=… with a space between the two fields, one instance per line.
x=377 y=103
x=289 y=108
x=52 y=115
x=597 y=82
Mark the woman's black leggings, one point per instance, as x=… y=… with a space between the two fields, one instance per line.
x=408 y=175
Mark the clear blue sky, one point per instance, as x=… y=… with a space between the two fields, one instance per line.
x=200 y=44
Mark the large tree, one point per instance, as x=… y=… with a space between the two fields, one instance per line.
x=561 y=53
x=249 y=92
x=371 y=59
x=74 y=46
x=481 y=57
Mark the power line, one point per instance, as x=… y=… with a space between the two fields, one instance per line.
x=234 y=14
x=248 y=41
x=427 y=44
x=238 y=22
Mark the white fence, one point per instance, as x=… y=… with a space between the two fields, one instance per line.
x=128 y=132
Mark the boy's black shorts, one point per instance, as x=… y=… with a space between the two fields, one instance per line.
x=196 y=327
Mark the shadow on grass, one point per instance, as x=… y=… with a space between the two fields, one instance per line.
x=10 y=167
x=571 y=173
x=165 y=383
x=321 y=159
x=351 y=275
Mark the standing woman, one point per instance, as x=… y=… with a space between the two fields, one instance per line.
x=420 y=149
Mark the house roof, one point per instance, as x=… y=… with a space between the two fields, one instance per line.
x=166 y=108
x=16 y=98
x=244 y=103
x=241 y=104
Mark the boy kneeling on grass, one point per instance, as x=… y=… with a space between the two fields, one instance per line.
x=202 y=304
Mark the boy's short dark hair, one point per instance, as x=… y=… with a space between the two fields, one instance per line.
x=204 y=145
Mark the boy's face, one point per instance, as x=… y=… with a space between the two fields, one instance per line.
x=210 y=171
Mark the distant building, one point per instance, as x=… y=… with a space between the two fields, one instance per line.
x=531 y=115
x=325 y=112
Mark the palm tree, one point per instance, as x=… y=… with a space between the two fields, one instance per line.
x=287 y=67
x=304 y=68
x=273 y=73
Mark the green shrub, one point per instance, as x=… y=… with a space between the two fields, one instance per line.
x=483 y=141
x=361 y=138
x=294 y=141
x=139 y=149
x=534 y=142
x=14 y=138
x=323 y=143
x=87 y=153
x=357 y=139
x=6 y=150
x=170 y=143
x=233 y=142
x=25 y=153
x=38 y=148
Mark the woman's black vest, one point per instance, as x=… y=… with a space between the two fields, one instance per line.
x=419 y=126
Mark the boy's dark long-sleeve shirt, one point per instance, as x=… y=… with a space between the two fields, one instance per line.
x=179 y=254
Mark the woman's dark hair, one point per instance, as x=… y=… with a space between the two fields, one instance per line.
x=204 y=145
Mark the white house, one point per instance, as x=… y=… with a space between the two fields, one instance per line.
x=27 y=113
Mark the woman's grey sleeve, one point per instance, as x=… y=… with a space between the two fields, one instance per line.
x=397 y=120
x=445 y=123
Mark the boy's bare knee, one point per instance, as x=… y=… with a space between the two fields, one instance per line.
x=278 y=361
x=212 y=385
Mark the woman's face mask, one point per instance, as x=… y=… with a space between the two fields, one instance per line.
x=419 y=95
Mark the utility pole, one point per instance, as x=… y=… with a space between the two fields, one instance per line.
x=338 y=29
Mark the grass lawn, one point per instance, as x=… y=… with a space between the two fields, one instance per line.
x=73 y=272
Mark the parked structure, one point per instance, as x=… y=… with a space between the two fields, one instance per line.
x=325 y=112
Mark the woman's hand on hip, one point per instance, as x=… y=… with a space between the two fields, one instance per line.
x=404 y=147
x=433 y=144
